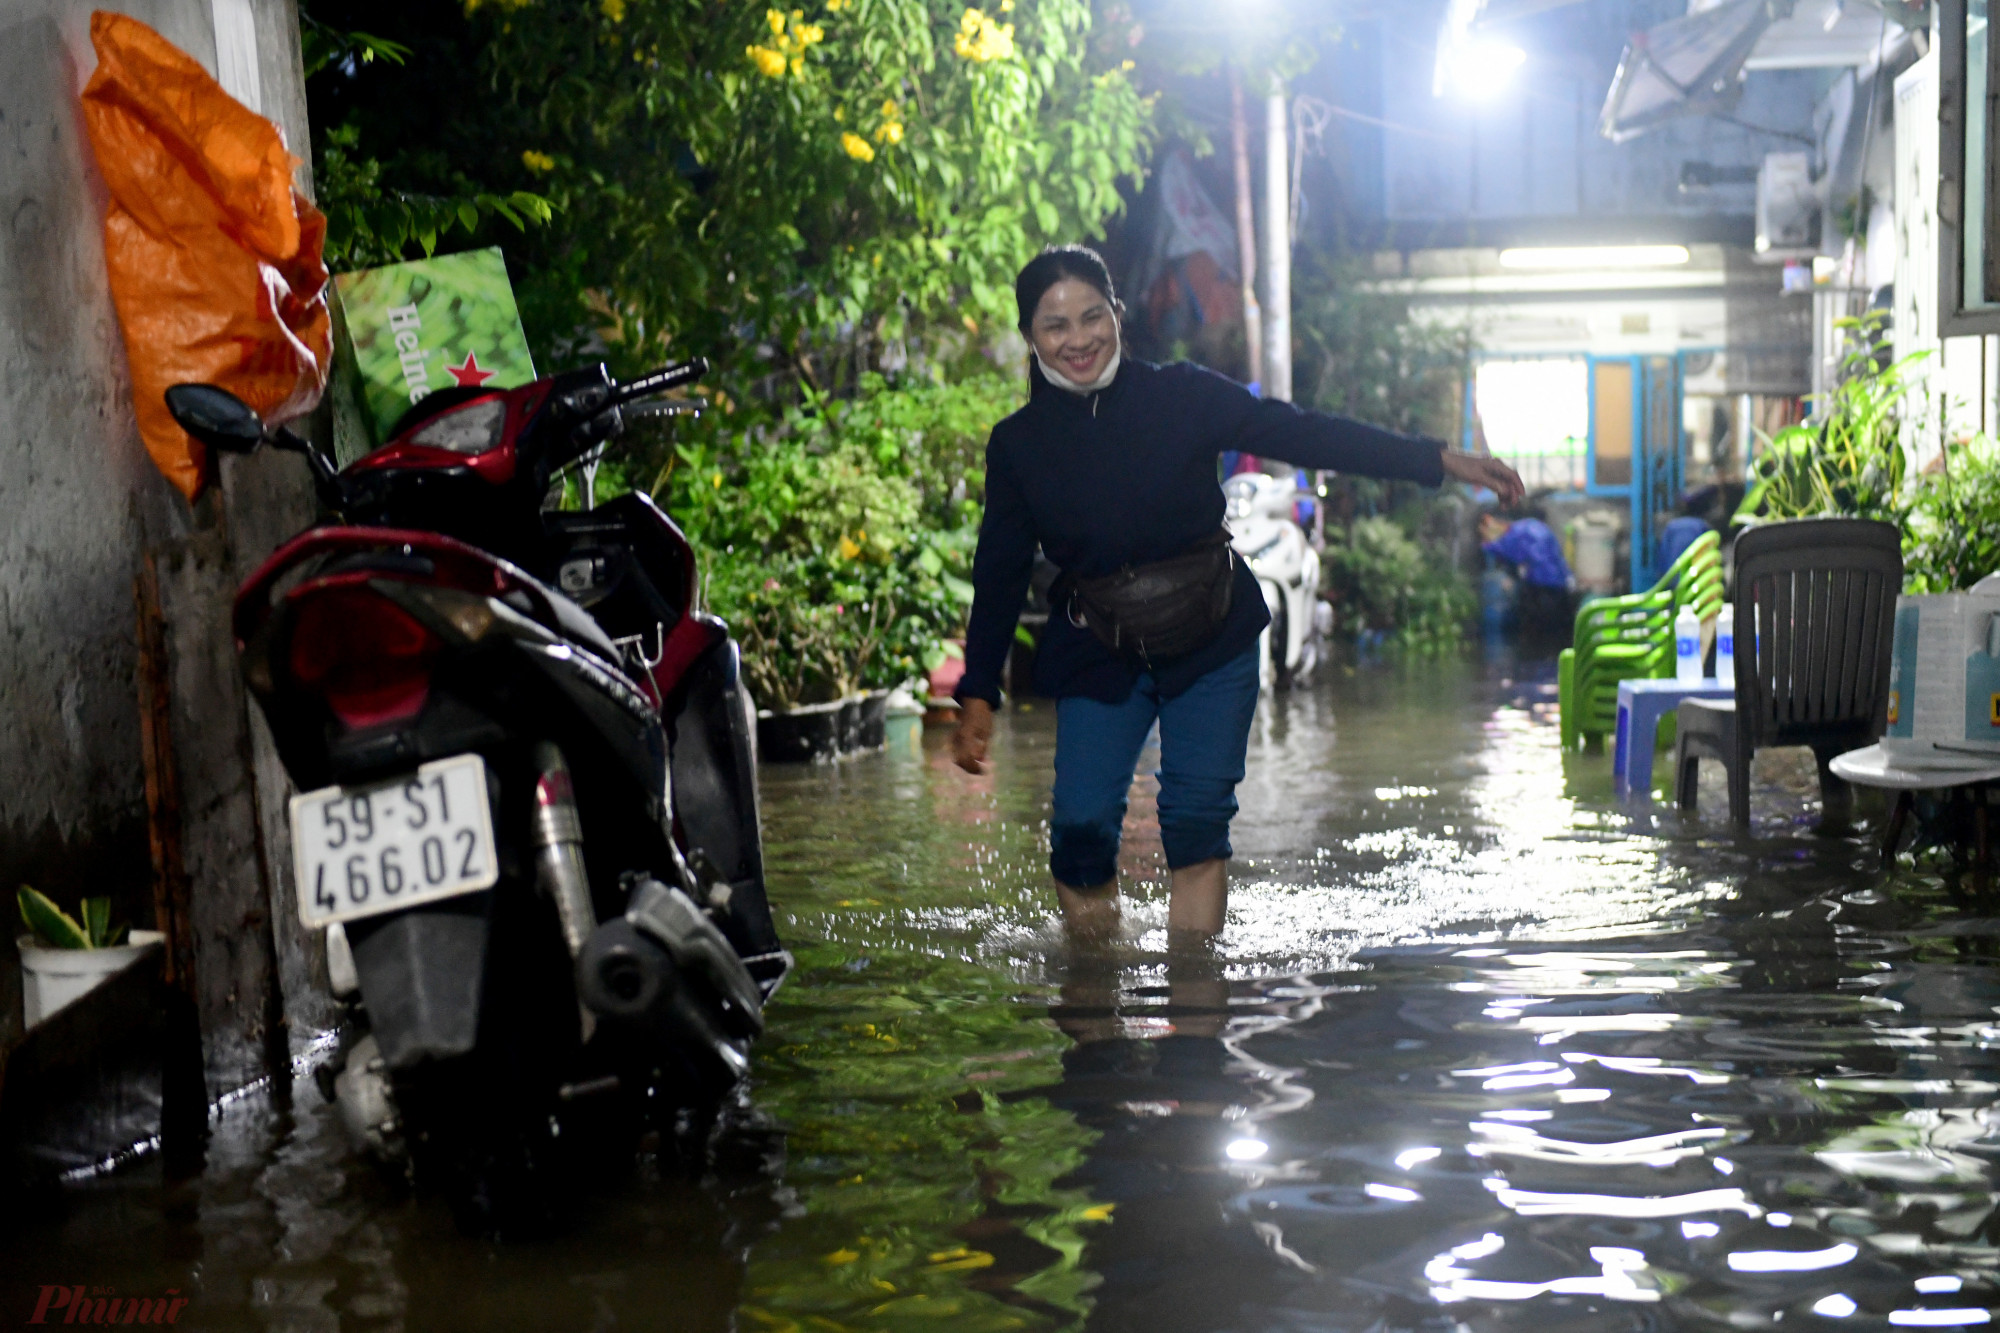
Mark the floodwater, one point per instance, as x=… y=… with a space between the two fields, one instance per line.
x=1480 y=1050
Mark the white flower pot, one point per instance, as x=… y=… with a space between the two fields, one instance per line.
x=52 y=978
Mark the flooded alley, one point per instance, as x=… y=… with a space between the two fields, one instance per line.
x=1480 y=1050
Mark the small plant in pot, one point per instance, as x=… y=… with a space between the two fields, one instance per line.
x=63 y=957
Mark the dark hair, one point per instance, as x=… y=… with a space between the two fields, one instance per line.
x=1050 y=267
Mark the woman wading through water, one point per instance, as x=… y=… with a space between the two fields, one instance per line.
x=1111 y=469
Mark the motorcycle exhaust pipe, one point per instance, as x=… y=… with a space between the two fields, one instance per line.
x=558 y=835
x=627 y=976
x=622 y=974
x=665 y=962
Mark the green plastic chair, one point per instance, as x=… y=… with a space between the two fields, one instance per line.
x=1642 y=648
x=1632 y=638
x=1614 y=649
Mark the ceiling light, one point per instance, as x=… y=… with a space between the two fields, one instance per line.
x=1478 y=69
x=1595 y=256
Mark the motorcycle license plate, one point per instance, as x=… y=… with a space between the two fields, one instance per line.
x=427 y=835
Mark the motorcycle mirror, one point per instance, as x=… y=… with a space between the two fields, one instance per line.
x=216 y=417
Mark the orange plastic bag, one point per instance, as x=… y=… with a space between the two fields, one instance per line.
x=215 y=260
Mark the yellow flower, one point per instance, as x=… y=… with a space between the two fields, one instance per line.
x=980 y=39
x=835 y=6
x=807 y=34
x=613 y=9
x=890 y=132
x=1006 y=6
x=857 y=147
x=776 y=19
x=798 y=67
x=535 y=161
x=1125 y=65
x=848 y=549
x=890 y=111
x=769 y=63
x=839 y=114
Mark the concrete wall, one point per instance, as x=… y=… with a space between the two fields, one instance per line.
x=80 y=502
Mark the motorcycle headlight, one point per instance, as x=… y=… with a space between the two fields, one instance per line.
x=472 y=429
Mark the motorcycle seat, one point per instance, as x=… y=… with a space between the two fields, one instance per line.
x=575 y=623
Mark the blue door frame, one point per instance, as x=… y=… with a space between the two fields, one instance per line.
x=1659 y=446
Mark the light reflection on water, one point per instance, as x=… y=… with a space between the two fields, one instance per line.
x=1481 y=1050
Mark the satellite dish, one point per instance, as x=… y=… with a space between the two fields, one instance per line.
x=1690 y=66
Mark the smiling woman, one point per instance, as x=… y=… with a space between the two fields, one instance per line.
x=1111 y=471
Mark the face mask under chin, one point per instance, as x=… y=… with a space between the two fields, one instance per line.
x=1062 y=381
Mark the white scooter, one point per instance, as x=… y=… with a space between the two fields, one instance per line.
x=1263 y=532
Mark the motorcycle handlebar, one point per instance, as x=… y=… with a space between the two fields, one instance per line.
x=659 y=381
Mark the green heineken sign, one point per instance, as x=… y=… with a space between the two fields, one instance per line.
x=432 y=324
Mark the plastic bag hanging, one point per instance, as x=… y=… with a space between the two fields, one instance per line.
x=215 y=260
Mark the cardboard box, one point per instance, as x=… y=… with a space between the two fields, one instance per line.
x=431 y=324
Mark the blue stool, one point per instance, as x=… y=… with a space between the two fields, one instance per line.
x=1641 y=705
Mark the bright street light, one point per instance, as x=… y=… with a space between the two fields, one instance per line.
x=1595 y=256
x=1480 y=69
x=1471 y=66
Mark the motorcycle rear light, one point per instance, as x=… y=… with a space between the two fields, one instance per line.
x=367 y=657
x=472 y=429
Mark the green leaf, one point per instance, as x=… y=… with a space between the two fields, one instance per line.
x=96 y=920
x=51 y=926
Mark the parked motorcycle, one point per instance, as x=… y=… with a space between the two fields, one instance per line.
x=528 y=823
x=1264 y=532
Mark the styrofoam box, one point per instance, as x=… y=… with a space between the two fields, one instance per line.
x=1944 y=679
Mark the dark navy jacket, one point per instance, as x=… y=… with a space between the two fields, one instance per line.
x=1125 y=476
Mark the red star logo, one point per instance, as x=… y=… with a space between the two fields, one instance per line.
x=469 y=375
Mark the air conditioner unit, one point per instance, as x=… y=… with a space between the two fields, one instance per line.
x=1787 y=208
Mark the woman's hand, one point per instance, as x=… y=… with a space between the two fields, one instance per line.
x=1489 y=473
x=975 y=731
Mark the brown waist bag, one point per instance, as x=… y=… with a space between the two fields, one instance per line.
x=1162 y=610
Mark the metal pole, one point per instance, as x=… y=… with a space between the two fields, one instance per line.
x=1277 y=247
x=1246 y=232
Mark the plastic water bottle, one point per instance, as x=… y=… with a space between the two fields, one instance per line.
x=1687 y=647
x=1725 y=645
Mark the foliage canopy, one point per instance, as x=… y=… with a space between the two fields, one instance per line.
x=736 y=181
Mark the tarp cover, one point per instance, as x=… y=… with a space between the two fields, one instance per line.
x=215 y=260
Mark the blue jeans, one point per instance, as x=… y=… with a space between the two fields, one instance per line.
x=1204 y=734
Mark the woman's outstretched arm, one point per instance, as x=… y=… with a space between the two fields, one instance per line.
x=1272 y=429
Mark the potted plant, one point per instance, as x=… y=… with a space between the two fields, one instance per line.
x=63 y=958
x=837 y=534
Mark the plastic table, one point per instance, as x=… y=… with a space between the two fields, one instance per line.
x=1641 y=705
x=1870 y=767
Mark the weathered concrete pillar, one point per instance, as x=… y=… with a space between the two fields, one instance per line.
x=87 y=521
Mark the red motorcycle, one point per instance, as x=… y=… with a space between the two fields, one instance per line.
x=528 y=818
